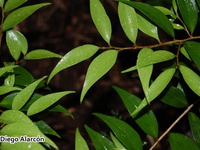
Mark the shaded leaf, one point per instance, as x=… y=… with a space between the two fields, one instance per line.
x=98 y=67
x=100 y=142
x=25 y=94
x=147 y=120
x=12 y=4
x=46 y=101
x=189 y=13
x=194 y=122
x=193 y=49
x=147 y=28
x=166 y=11
x=185 y=53
x=128 y=20
x=123 y=131
x=117 y=143
x=17 y=43
x=41 y=54
x=7 y=69
x=100 y=19
x=6 y=102
x=1 y=3
x=61 y=109
x=175 y=97
x=80 y=143
x=191 y=78
x=156 y=15
x=20 y=14
x=44 y=128
x=22 y=146
x=181 y=142
x=74 y=57
x=174 y=6
x=7 y=89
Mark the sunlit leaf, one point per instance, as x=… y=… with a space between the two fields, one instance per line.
x=101 y=20
x=12 y=4
x=189 y=13
x=193 y=49
x=123 y=131
x=146 y=27
x=117 y=143
x=128 y=20
x=156 y=88
x=74 y=57
x=191 y=78
x=44 y=128
x=80 y=143
x=99 y=66
x=41 y=54
x=20 y=14
x=25 y=94
x=181 y=142
x=156 y=15
x=100 y=142
x=22 y=146
x=175 y=97
x=194 y=122
x=7 y=89
x=46 y=101
x=146 y=121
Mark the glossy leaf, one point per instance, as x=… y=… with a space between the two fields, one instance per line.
x=20 y=14
x=100 y=19
x=185 y=53
x=100 y=142
x=165 y=11
x=41 y=54
x=146 y=121
x=61 y=109
x=7 y=89
x=1 y=3
x=123 y=131
x=22 y=146
x=193 y=49
x=7 y=69
x=156 y=15
x=98 y=67
x=74 y=57
x=177 y=26
x=147 y=28
x=45 y=129
x=175 y=97
x=174 y=6
x=194 y=122
x=80 y=143
x=189 y=13
x=156 y=88
x=191 y=78
x=128 y=20
x=45 y=102
x=117 y=143
x=17 y=43
x=12 y=4
x=25 y=94
x=181 y=142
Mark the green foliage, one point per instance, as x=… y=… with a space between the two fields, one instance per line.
x=156 y=66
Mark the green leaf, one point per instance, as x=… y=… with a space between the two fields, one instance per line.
x=7 y=69
x=189 y=13
x=17 y=43
x=61 y=109
x=175 y=97
x=156 y=15
x=22 y=146
x=6 y=102
x=45 y=102
x=1 y=3
x=185 y=53
x=147 y=28
x=117 y=143
x=156 y=88
x=177 y=26
x=147 y=120
x=80 y=143
x=99 y=66
x=20 y=14
x=165 y=11
x=41 y=54
x=7 y=89
x=128 y=20
x=123 y=131
x=25 y=94
x=100 y=142
x=174 y=6
x=193 y=49
x=181 y=142
x=100 y=19
x=198 y=2
x=12 y=4
x=44 y=128
x=74 y=57
x=194 y=122
x=191 y=78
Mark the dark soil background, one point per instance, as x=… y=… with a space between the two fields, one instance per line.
x=65 y=25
